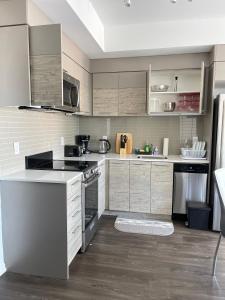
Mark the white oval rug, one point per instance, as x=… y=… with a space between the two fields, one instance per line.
x=151 y=227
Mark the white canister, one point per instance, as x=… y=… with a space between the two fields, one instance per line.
x=165 y=147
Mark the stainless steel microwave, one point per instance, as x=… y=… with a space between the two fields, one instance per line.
x=71 y=93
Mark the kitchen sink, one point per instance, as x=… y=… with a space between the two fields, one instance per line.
x=144 y=156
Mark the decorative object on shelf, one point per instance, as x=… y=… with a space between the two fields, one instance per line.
x=176 y=83
x=160 y=88
x=165 y=147
x=169 y=106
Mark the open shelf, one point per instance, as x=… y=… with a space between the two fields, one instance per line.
x=176 y=93
x=185 y=89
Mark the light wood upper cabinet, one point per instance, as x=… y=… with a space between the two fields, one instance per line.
x=140 y=186
x=119 y=185
x=119 y=94
x=14 y=66
x=46 y=65
x=132 y=93
x=105 y=94
x=161 y=188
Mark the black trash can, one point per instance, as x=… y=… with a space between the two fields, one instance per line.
x=198 y=215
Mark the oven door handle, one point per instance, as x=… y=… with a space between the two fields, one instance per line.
x=91 y=181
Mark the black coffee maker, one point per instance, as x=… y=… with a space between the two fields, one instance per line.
x=83 y=141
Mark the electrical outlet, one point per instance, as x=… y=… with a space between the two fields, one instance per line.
x=16 y=146
x=104 y=137
x=62 y=141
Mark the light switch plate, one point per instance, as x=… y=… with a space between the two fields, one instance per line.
x=16 y=146
x=62 y=141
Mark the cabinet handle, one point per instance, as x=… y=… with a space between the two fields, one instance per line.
x=74 y=183
x=76 y=213
x=75 y=230
x=74 y=199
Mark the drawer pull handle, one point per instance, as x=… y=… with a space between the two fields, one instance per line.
x=74 y=199
x=74 y=183
x=76 y=213
x=75 y=230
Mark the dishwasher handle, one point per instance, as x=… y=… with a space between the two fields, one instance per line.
x=191 y=168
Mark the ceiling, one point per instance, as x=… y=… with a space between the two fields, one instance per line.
x=106 y=28
x=114 y=12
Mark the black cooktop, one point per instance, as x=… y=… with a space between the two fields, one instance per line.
x=44 y=161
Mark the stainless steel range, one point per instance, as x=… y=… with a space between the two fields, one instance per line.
x=89 y=201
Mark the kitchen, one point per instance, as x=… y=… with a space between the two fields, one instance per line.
x=119 y=96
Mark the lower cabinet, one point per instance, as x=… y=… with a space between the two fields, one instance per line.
x=140 y=186
x=119 y=185
x=161 y=188
x=44 y=231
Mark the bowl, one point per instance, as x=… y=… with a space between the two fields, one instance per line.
x=169 y=106
x=160 y=88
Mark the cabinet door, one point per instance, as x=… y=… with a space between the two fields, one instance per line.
x=161 y=188
x=140 y=186
x=14 y=66
x=132 y=93
x=105 y=94
x=85 y=93
x=46 y=65
x=119 y=185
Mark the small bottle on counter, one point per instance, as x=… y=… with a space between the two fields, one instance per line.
x=156 y=151
x=147 y=147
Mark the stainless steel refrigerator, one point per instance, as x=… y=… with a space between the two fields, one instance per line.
x=218 y=155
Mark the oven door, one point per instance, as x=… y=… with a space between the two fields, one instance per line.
x=89 y=210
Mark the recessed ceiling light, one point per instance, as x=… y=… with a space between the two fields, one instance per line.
x=127 y=3
x=175 y=1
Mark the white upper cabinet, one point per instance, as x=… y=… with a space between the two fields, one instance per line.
x=14 y=66
x=185 y=88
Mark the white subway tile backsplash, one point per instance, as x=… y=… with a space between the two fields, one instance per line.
x=144 y=129
x=35 y=131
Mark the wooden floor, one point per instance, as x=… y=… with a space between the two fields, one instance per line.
x=129 y=266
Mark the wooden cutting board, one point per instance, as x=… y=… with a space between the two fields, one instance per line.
x=129 y=144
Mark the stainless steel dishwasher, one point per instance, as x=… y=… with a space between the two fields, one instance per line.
x=190 y=183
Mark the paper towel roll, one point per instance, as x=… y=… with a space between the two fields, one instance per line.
x=165 y=147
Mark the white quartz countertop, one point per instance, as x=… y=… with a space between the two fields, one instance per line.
x=101 y=157
x=42 y=176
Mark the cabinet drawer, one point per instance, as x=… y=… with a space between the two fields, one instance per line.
x=74 y=188
x=73 y=204
x=74 y=220
x=74 y=231
x=161 y=172
x=74 y=247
